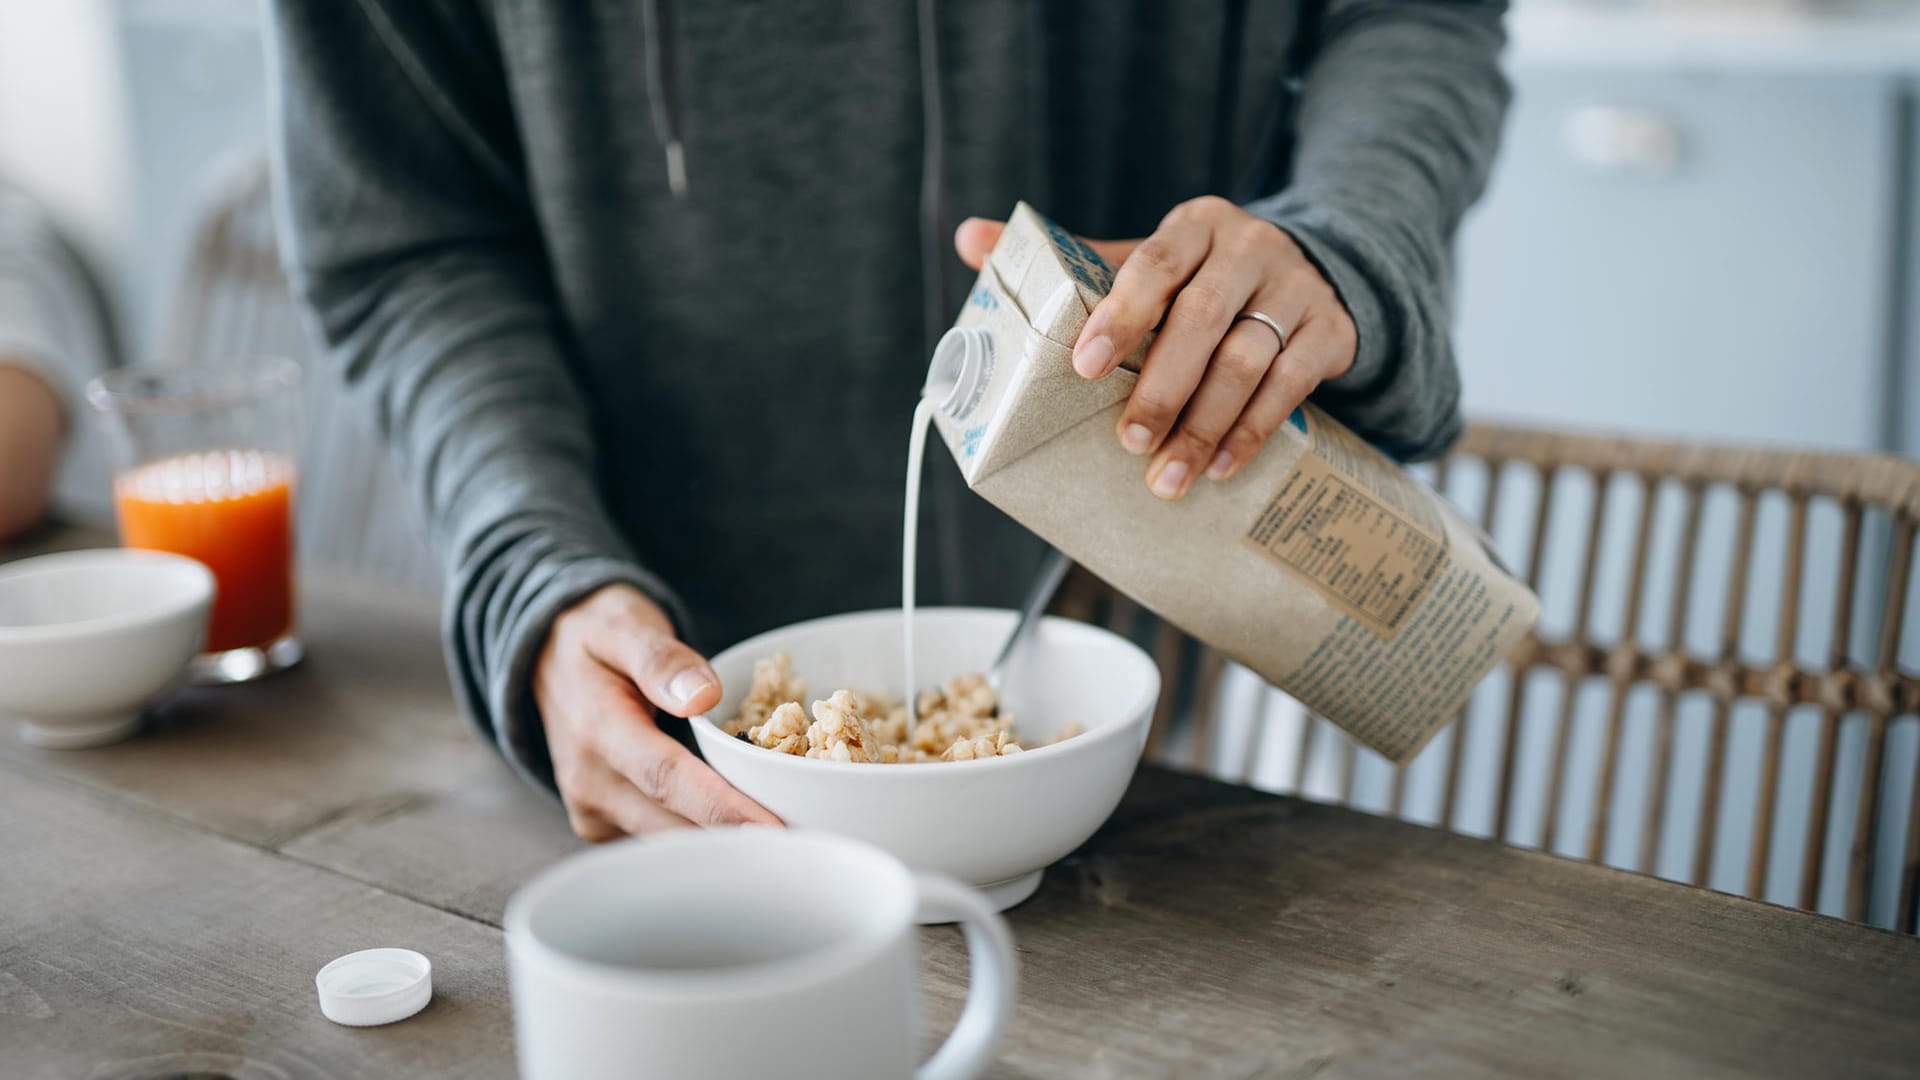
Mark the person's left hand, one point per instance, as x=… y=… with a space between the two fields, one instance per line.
x=31 y=426
x=1214 y=386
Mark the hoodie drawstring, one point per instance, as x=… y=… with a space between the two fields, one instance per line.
x=663 y=89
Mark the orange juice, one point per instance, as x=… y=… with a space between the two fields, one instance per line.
x=232 y=510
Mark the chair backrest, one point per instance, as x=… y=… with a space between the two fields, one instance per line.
x=1716 y=692
x=233 y=307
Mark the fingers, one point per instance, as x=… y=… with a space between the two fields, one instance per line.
x=591 y=827
x=607 y=662
x=668 y=674
x=1181 y=355
x=974 y=240
x=670 y=776
x=1213 y=390
x=620 y=774
x=638 y=642
x=1233 y=373
x=1144 y=288
x=633 y=815
x=1309 y=354
x=603 y=806
x=580 y=709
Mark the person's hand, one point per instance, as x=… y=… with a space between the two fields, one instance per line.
x=608 y=663
x=30 y=429
x=1214 y=386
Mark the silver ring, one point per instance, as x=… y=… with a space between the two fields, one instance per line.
x=1269 y=322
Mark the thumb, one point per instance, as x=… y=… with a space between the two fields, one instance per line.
x=672 y=676
x=975 y=238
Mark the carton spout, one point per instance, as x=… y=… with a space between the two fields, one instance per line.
x=961 y=370
x=1002 y=381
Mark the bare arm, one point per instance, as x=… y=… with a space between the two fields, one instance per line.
x=31 y=426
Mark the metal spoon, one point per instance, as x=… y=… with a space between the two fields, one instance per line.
x=1053 y=570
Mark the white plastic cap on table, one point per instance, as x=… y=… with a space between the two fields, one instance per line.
x=375 y=986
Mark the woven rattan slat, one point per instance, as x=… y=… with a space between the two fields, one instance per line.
x=1813 y=862
x=1697 y=556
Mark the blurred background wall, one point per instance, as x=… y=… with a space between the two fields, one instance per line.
x=63 y=122
x=120 y=116
x=1702 y=223
x=141 y=125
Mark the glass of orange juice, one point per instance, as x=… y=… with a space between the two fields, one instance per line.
x=206 y=462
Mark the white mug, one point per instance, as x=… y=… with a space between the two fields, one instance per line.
x=745 y=952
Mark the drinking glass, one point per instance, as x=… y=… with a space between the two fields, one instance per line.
x=205 y=463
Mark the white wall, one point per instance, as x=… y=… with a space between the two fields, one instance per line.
x=195 y=77
x=63 y=131
x=119 y=116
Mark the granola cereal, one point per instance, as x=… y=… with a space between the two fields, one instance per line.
x=785 y=730
x=959 y=720
x=773 y=683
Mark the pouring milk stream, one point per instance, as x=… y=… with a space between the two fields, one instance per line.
x=910 y=548
x=1321 y=565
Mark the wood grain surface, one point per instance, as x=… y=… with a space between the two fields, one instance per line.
x=133 y=947
x=165 y=902
x=1212 y=931
x=365 y=721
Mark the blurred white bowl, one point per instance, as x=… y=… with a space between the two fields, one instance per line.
x=994 y=824
x=87 y=638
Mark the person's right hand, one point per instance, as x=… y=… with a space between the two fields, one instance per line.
x=608 y=663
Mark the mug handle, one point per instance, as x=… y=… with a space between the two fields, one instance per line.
x=993 y=972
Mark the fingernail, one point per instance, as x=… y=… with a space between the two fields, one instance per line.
x=687 y=685
x=1222 y=461
x=1091 y=360
x=1173 y=477
x=1136 y=439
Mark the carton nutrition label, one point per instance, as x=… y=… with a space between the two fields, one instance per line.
x=1369 y=557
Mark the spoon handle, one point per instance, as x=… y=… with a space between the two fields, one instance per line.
x=1052 y=572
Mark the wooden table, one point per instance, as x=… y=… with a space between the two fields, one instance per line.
x=165 y=902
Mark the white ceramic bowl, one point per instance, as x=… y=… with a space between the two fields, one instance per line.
x=87 y=638
x=994 y=824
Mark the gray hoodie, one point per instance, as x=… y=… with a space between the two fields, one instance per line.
x=53 y=320
x=644 y=292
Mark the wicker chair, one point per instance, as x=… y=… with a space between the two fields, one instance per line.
x=232 y=307
x=1663 y=521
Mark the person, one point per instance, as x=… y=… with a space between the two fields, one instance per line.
x=54 y=336
x=643 y=293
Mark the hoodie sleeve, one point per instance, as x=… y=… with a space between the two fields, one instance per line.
x=1397 y=122
x=409 y=237
x=53 y=324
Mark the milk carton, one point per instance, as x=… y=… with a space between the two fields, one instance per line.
x=1322 y=565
